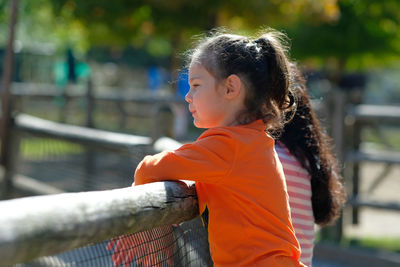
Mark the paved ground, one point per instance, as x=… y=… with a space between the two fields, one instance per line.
x=325 y=263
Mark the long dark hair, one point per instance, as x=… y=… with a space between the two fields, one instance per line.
x=307 y=141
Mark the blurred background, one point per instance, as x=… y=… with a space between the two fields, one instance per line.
x=119 y=66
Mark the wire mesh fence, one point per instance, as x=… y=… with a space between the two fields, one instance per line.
x=185 y=244
x=73 y=167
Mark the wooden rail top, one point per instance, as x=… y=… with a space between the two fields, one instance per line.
x=387 y=156
x=376 y=112
x=32 y=227
x=143 y=96
x=79 y=134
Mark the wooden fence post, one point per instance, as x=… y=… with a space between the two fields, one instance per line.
x=90 y=155
x=6 y=142
x=337 y=103
x=124 y=116
x=355 y=169
x=90 y=104
x=11 y=163
x=163 y=123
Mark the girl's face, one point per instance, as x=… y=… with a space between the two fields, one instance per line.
x=206 y=99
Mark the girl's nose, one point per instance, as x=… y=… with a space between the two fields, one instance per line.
x=188 y=97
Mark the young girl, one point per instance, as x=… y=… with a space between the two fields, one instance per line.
x=239 y=89
x=316 y=193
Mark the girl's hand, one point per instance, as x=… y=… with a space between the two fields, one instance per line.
x=148 y=248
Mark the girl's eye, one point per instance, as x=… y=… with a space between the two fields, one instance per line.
x=194 y=86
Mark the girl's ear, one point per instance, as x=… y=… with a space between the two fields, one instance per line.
x=233 y=86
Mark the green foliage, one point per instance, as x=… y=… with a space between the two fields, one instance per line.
x=356 y=33
x=136 y=21
x=367 y=32
x=4 y=8
x=39 y=30
x=383 y=137
x=40 y=148
x=384 y=243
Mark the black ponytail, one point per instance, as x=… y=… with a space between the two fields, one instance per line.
x=306 y=140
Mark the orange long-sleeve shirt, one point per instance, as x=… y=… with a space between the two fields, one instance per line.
x=240 y=179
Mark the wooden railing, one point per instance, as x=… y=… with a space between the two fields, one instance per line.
x=357 y=118
x=89 y=138
x=160 y=107
x=45 y=225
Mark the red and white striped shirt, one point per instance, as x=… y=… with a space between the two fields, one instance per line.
x=299 y=191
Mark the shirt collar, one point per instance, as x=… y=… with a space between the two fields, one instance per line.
x=258 y=125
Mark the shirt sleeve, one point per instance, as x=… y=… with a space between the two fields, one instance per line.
x=207 y=160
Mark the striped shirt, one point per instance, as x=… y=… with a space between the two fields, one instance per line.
x=299 y=191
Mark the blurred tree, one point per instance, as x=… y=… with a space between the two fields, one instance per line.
x=3 y=21
x=365 y=34
x=349 y=33
x=39 y=30
x=165 y=27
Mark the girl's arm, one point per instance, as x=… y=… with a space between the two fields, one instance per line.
x=208 y=160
